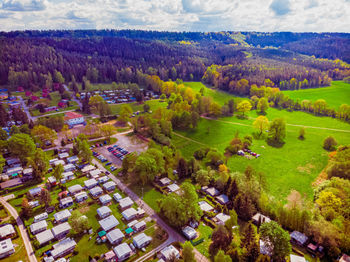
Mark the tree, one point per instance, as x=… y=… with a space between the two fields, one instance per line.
x=2 y=163
x=244 y=206
x=78 y=222
x=108 y=131
x=125 y=114
x=221 y=239
x=182 y=168
x=261 y=123
x=302 y=133
x=21 y=145
x=263 y=105
x=57 y=172
x=202 y=177
x=221 y=257
x=14 y=130
x=3 y=134
x=40 y=162
x=4 y=116
x=26 y=208
x=187 y=252
x=277 y=131
x=276 y=240
x=83 y=148
x=42 y=134
x=146 y=107
x=232 y=221
x=329 y=143
x=45 y=197
x=57 y=77
x=244 y=107
x=98 y=105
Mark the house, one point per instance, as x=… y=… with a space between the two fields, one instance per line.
x=105 y=199
x=221 y=218
x=52 y=161
x=72 y=159
x=52 y=181
x=41 y=217
x=96 y=191
x=11 y=183
x=122 y=251
x=109 y=186
x=258 y=219
x=125 y=203
x=11 y=172
x=172 y=188
x=28 y=172
x=141 y=240
x=298 y=238
x=7 y=231
x=204 y=206
x=63 y=248
x=69 y=168
x=38 y=227
x=95 y=173
x=102 y=179
x=295 y=258
x=62 y=216
x=189 y=232
x=164 y=181
x=73 y=118
x=222 y=199
x=140 y=212
x=61 y=230
x=80 y=197
x=117 y=197
x=110 y=256
x=75 y=189
x=59 y=162
x=108 y=223
x=129 y=214
x=115 y=236
x=66 y=202
x=344 y=258
x=34 y=192
x=87 y=169
x=132 y=223
x=63 y=155
x=169 y=253
x=90 y=183
x=139 y=226
x=12 y=161
x=104 y=212
x=6 y=248
x=312 y=248
x=44 y=237
x=67 y=176
x=212 y=191
x=33 y=204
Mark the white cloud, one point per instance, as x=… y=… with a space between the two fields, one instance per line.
x=177 y=15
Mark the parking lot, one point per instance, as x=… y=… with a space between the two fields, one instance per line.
x=125 y=144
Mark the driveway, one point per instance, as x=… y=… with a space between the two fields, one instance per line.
x=22 y=230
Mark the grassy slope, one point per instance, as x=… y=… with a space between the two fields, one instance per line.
x=335 y=95
x=294 y=166
x=154 y=104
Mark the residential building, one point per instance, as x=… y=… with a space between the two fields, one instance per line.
x=61 y=230
x=129 y=214
x=40 y=217
x=141 y=240
x=96 y=191
x=44 y=237
x=102 y=179
x=109 y=186
x=52 y=181
x=63 y=248
x=62 y=216
x=222 y=199
x=298 y=238
x=90 y=183
x=95 y=173
x=108 y=223
x=122 y=251
x=117 y=197
x=115 y=236
x=63 y=155
x=259 y=219
x=139 y=226
x=105 y=199
x=204 y=206
x=189 y=232
x=164 y=181
x=104 y=212
x=7 y=231
x=80 y=197
x=72 y=159
x=87 y=169
x=73 y=118
x=68 y=168
x=6 y=248
x=295 y=258
x=125 y=203
x=38 y=227
x=173 y=188
x=169 y=253
x=34 y=192
x=221 y=218
x=66 y=202
x=75 y=189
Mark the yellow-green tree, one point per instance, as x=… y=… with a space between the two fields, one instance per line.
x=261 y=123
x=244 y=107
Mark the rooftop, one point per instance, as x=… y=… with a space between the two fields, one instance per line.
x=71 y=115
x=108 y=223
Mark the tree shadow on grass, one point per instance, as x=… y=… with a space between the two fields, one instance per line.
x=276 y=144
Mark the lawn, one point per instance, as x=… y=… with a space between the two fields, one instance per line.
x=335 y=95
x=20 y=252
x=204 y=232
x=293 y=166
x=150 y=195
x=154 y=104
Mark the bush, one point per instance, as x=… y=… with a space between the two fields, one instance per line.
x=329 y=143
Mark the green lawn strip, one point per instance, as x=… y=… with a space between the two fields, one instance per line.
x=154 y=104
x=205 y=233
x=335 y=95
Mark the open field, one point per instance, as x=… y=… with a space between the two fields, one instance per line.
x=154 y=104
x=293 y=166
x=335 y=95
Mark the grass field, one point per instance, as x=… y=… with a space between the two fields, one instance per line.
x=293 y=166
x=20 y=252
x=335 y=95
x=154 y=104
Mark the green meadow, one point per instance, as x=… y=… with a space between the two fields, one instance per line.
x=335 y=95
x=295 y=165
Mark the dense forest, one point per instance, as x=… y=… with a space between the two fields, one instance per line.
x=224 y=59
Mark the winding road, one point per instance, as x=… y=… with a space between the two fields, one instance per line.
x=22 y=230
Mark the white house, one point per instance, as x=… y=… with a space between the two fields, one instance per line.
x=122 y=251
x=189 y=232
x=104 y=212
x=6 y=248
x=75 y=189
x=63 y=248
x=105 y=199
x=109 y=186
x=169 y=252
x=80 y=197
x=141 y=240
x=115 y=236
x=73 y=118
x=129 y=214
x=38 y=227
x=62 y=216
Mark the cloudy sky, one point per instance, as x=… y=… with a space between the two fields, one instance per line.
x=177 y=15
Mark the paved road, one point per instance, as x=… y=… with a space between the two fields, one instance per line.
x=22 y=230
x=173 y=235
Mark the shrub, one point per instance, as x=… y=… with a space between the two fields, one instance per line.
x=329 y=143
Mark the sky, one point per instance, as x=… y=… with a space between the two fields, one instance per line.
x=178 y=15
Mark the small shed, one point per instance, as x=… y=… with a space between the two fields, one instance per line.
x=189 y=232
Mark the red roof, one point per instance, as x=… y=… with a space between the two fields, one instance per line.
x=72 y=115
